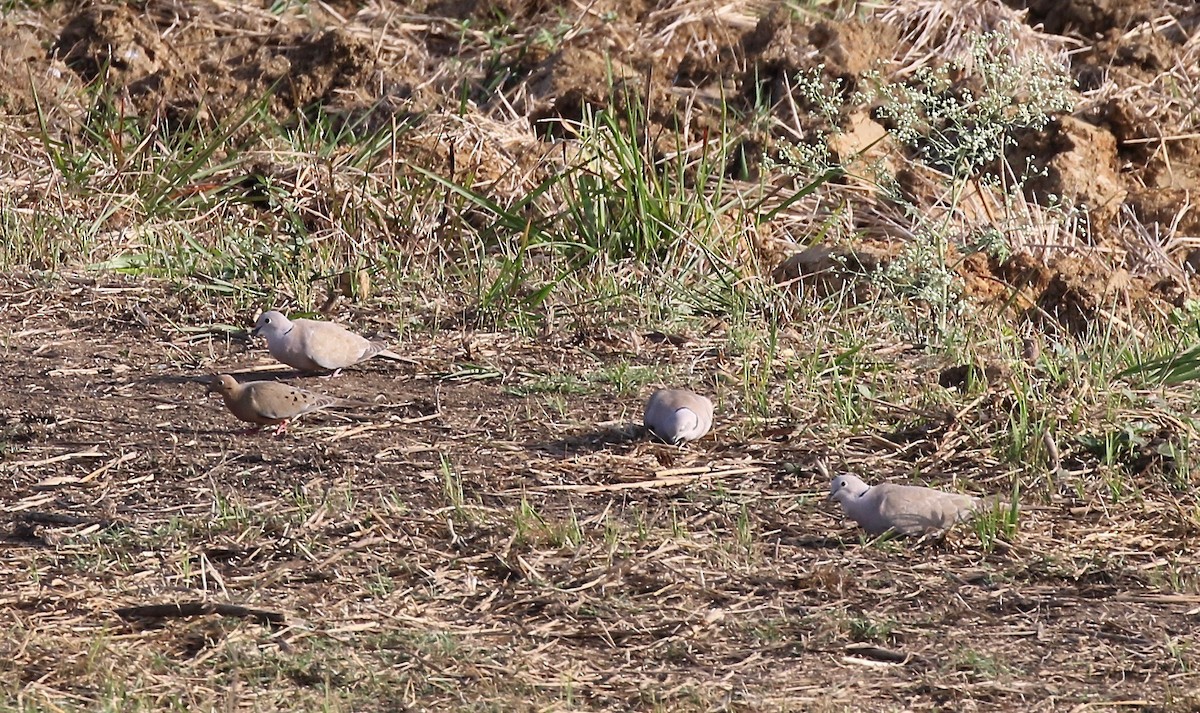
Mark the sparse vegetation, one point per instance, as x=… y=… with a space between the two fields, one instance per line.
x=911 y=240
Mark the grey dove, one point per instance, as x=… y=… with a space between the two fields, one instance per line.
x=678 y=416
x=906 y=509
x=312 y=346
x=267 y=403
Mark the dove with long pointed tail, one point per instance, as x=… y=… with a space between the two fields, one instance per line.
x=267 y=403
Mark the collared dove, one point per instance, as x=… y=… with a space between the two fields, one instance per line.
x=907 y=509
x=677 y=416
x=267 y=403
x=311 y=346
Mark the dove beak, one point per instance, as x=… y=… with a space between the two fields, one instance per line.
x=254 y=332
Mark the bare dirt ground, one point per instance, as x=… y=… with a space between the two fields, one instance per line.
x=491 y=534
x=640 y=575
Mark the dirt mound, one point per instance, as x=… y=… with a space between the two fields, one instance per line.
x=681 y=71
x=1074 y=160
x=189 y=82
x=113 y=39
x=26 y=76
x=1069 y=295
x=1085 y=18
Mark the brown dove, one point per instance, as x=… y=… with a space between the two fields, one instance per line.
x=267 y=403
x=314 y=346
x=677 y=416
x=906 y=509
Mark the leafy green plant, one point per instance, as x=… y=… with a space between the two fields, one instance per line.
x=865 y=628
x=958 y=119
x=998 y=520
x=1176 y=367
x=960 y=116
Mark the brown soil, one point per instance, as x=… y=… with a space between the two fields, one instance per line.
x=199 y=63
x=108 y=427
x=104 y=420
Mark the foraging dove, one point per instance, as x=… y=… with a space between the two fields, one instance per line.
x=907 y=509
x=677 y=416
x=310 y=345
x=267 y=403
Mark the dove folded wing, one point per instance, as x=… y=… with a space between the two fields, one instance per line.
x=911 y=510
x=279 y=402
x=312 y=345
x=331 y=346
x=906 y=509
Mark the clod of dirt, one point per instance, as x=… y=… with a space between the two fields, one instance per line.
x=1079 y=293
x=781 y=47
x=1079 y=162
x=568 y=81
x=1172 y=291
x=25 y=74
x=709 y=54
x=864 y=140
x=963 y=376
x=112 y=39
x=1070 y=293
x=1168 y=205
x=1141 y=59
x=776 y=44
x=849 y=49
x=983 y=283
x=312 y=70
x=1150 y=52
x=1088 y=18
x=1126 y=122
x=1024 y=271
x=571 y=79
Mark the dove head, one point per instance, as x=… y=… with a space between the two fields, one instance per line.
x=846 y=488
x=222 y=384
x=271 y=326
x=687 y=426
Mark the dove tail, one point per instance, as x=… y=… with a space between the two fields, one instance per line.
x=997 y=503
x=385 y=353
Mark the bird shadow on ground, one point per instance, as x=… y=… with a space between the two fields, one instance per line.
x=201 y=379
x=280 y=374
x=242 y=376
x=818 y=542
x=600 y=439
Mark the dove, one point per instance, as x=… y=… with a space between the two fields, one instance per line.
x=677 y=416
x=906 y=509
x=267 y=403
x=312 y=346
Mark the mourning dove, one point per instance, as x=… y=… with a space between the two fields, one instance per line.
x=677 y=416
x=311 y=346
x=906 y=509
x=267 y=403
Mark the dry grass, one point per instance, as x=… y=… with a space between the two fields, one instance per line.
x=552 y=211
x=471 y=548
